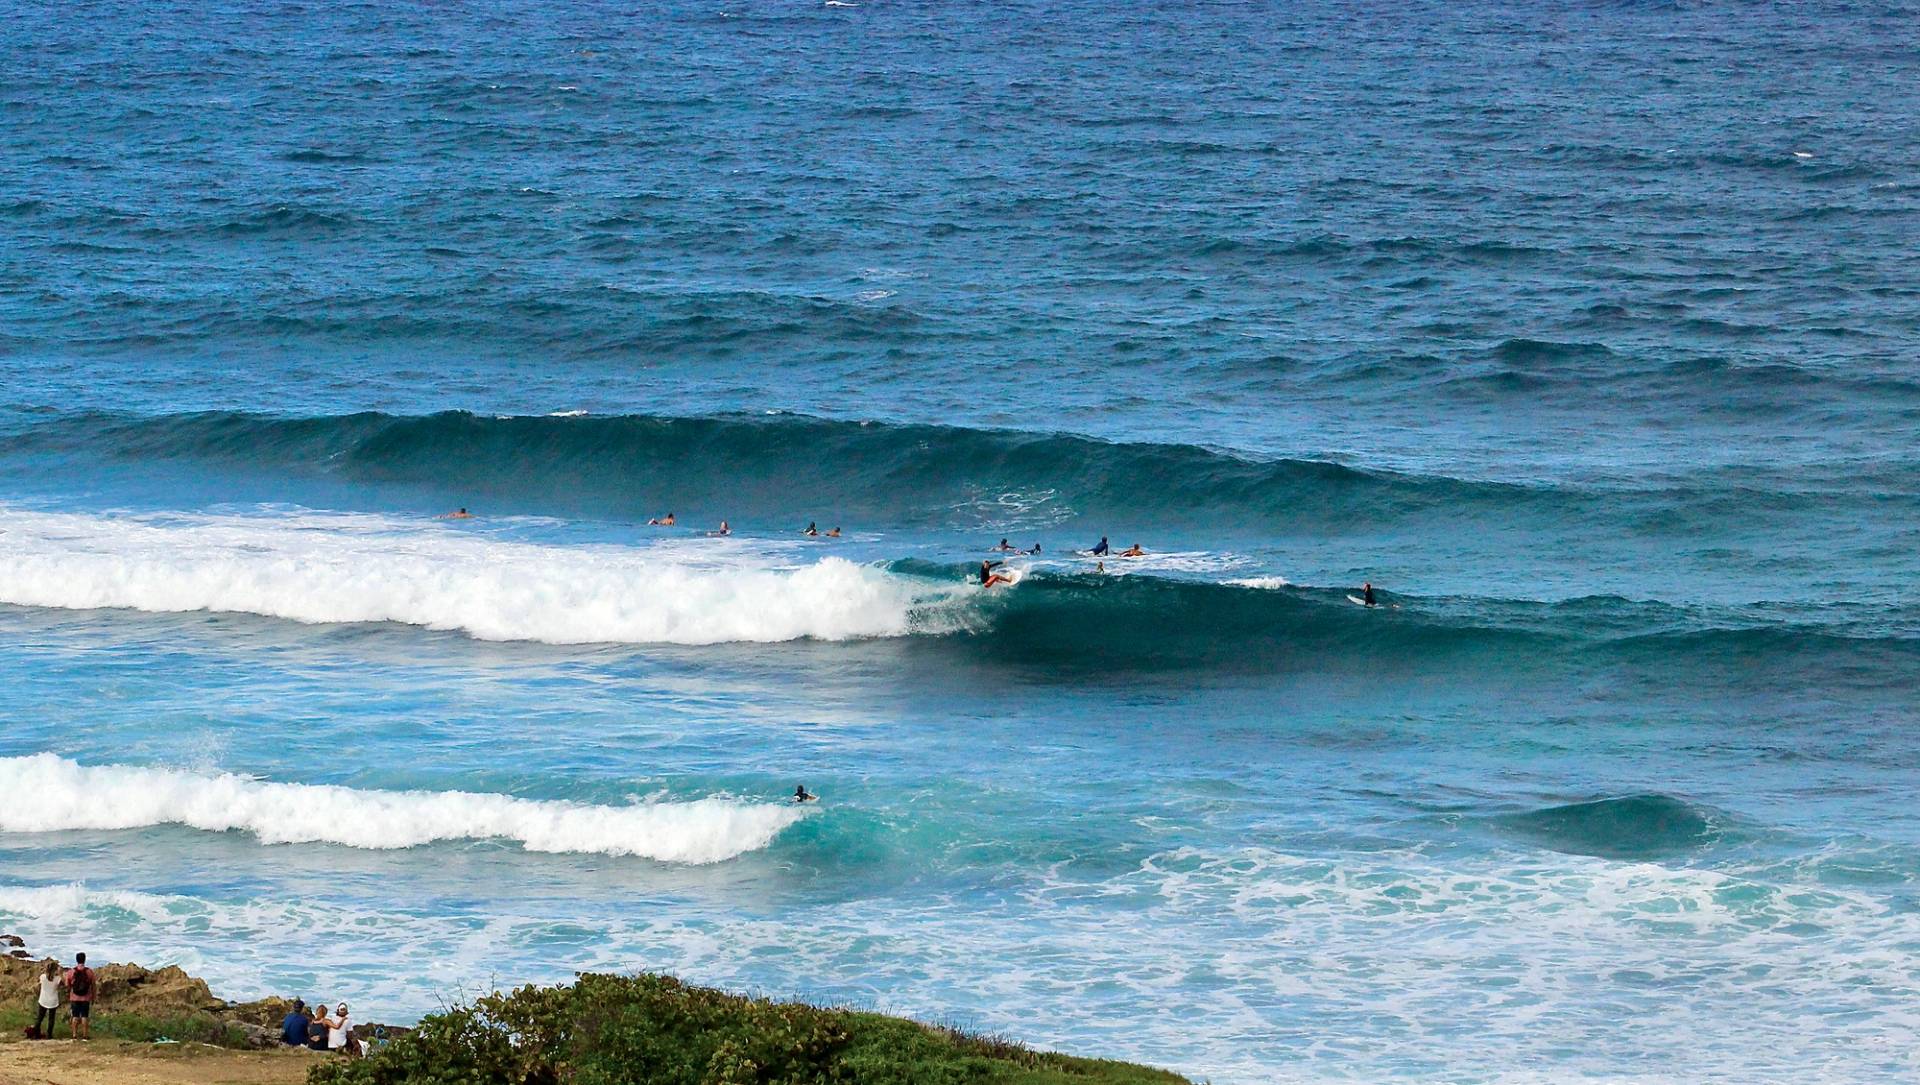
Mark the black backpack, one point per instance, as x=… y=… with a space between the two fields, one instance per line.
x=82 y=985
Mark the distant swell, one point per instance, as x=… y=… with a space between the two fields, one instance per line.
x=777 y=466
x=49 y=794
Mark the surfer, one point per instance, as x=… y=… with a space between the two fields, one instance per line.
x=989 y=578
x=801 y=794
x=834 y=534
x=1133 y=551
x=812 y=532
x=1035 y=550
x=1004 y=545
x=460 y=513
x=1101 y=550
x=1366 y=595
x=662 y=521
x=722 y=533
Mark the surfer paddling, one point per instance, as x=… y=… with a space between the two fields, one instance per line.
x=801 y=794
x=722 y=532
x=460 y=513
x=662 y=521
x=1133 y=551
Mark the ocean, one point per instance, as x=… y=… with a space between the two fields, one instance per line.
x=1584 y=332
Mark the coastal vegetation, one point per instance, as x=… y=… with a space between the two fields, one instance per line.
x=656 y=1030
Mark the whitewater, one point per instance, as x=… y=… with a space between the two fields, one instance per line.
x=53 y=794
x=313 y=567
x=1583 y=335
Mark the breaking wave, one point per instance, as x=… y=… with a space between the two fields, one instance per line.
x=50 y=794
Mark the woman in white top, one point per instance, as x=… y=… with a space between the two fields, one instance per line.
x=49 y=1005
x=337 y=1037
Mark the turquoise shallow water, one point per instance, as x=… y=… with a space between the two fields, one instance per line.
x=1584 y=333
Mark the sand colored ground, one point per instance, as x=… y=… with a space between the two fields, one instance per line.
x=110 y=1062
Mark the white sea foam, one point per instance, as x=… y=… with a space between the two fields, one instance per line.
x=1268 y=583
x=46 y=793
x=324 y=568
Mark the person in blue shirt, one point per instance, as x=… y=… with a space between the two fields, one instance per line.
x=293 y=1029
x=1100 y=550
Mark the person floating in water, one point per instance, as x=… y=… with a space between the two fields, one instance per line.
x=812 y=532
x=460 y=513
x=1133 y=551
x=1004 y=545
x=661 y=521
x=723 y=532
x=1366 y=594
x=801 y=794
x=989 y=578
x=1035 y=550
x=834 y=534
x=1102 y=549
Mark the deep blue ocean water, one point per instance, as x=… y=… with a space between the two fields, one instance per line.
x=1586 y=332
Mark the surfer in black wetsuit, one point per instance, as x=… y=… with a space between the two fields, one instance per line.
x=1366 y=594
x=1102 y=549
x=800 y=794
x=812 y=531
x=989 y=578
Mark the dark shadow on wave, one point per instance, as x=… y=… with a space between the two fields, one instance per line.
x=1650 y=826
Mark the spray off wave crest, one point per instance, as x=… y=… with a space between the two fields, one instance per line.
x=345 y=569
x=51 y=794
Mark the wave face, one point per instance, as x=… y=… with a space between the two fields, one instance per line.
x=786 y=465
x=51 y=794
x=343 y=569
x=1632 y=827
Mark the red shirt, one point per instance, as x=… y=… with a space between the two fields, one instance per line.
x=74 y=997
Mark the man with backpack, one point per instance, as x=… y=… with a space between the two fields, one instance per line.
x=80 y=982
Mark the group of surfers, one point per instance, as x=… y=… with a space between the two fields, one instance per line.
x=989 y=576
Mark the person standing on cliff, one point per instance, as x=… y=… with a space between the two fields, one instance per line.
x=48 y=1006
x=80 y=983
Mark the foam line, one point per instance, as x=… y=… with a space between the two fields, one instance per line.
x=46 y=793
x=331 y=568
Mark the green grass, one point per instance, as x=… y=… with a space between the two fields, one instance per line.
x=655 y=1030
x=109 y=1024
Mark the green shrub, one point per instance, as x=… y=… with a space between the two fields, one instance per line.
x=655 y=1030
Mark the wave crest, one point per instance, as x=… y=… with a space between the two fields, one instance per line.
x=345 y=569
x=50 y=794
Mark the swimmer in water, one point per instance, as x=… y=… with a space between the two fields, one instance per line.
x=661 y=521
x=1133 y=551
x=801 y=794
x=457 y=514
x=1366 y=594
x=723 y=532
x=1102 y=549
x=834 y=534
x=989 y=578
x=1099 y=566
x=812 y=532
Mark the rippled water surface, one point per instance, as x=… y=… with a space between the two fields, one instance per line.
x=1586 y=333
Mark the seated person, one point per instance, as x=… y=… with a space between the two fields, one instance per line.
x=293 y=1028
